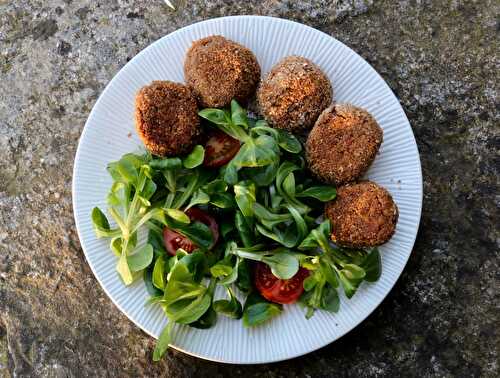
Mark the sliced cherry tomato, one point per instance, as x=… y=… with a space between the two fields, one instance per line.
x=277 y=290
x=174 y=240
x=220 y=149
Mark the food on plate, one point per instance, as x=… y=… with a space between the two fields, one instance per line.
x=241 y=211
x=166 y=118
x=219 y=70
x=362 y=215
x=293 y=94
x=342 y=144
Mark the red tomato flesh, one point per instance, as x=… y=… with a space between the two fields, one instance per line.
x=174 y=240
x=277 y=290
x=220 y=149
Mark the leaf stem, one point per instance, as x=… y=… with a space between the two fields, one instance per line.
x=171 y=183
x=118 y=219
x=248 y=255
x=187 y=193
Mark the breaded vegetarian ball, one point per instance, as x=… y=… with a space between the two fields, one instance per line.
x=218 y=70
x=166 y=118
x=362 y=215
x=342 y=144
x=293 y=94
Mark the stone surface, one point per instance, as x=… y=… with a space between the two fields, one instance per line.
x=441 y=59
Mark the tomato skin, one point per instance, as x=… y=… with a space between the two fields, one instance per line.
x=174 y=240
x=220 y=149
x=265 y=280
x=277 y=290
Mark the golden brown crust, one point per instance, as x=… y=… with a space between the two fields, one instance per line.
x=362 y=215
x=294 y=94
x=342 y=144
x=218 y=70
x=166 y=118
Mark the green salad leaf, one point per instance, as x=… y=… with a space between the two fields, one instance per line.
x=231 y=308
x=372 y=265
x=159 y=274
x=244 y=194
x=163 y=341
x=284 y=263
x=322 y=193
x=195 y=158
x=257 y=310
x=141 y=258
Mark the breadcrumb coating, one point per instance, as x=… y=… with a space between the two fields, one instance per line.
x=293 y=94
x=343 y=144
x=362 y=215
x=166 y=118
x=218 y=70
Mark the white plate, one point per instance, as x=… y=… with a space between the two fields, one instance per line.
x=109 y=133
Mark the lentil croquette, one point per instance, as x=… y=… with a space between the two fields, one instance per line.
x=342 y=144
x=166 y=118
x=293 y=94
x=362 y=215
x=218 y=70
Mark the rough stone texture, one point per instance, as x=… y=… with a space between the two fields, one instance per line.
x=441 y=59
